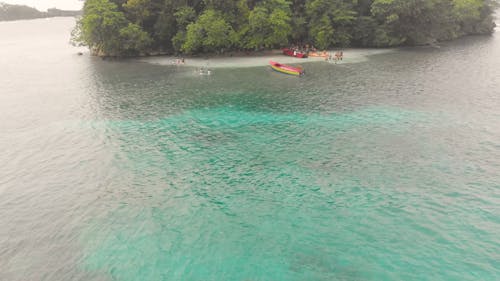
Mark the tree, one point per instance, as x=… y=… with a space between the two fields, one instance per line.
x=416 y=22
x=184 y=17
x=269 y=24
x=299 y=22
x=210 y=33
x=133 y=39
x=100 y=27
x=138 y=10
x=129 y=27
x=331 y=22
x=473 y=16
x=107 y=32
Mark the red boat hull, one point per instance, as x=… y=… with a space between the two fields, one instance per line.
x=289 y=52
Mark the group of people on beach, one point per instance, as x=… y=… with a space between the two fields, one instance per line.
x=179 y=61
x=305 y=49
x=313 y=52
x=338 y=55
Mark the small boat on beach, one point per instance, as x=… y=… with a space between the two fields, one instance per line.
x=292 y=53
x=286 y=69
x=319 y=55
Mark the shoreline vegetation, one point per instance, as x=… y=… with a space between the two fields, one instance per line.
x=126 y=28
x=10 y=12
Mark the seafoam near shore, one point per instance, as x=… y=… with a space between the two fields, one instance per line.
x=350 y=56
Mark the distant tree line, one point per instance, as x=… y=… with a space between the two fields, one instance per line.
x=132 y=27
x=10 y=12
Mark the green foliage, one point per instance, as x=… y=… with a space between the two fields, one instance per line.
x=331 y=22
x=473 y=16
x=107 y=31
x=269 y=25
x=138 y=10
x=210 y=33
x=183 y=16
x=426 y=21
x=133 y=39
x=100 y=26
x=164 y=29
x=129 y=27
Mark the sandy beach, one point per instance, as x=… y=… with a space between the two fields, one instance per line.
x=259 y=59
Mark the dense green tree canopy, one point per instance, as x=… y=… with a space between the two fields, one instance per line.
x=133 y=27
x=210 y=33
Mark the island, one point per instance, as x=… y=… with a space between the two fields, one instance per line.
x=142 y=27
x=10 y=12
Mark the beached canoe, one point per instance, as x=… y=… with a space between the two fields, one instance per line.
x=318 y=55
x=286 y=69
x=289 y=52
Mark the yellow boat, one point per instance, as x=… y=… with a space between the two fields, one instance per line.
x=297 y=71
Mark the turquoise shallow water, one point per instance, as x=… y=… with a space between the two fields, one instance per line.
x=387 y=169
x=225 y=194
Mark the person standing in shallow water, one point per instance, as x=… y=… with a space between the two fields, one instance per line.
x=339 y=56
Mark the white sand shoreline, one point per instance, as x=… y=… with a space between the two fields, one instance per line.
x=350 y=56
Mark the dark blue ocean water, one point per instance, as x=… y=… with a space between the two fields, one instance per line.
x=384 y=169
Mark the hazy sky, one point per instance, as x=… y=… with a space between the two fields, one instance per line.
x=43 y=5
